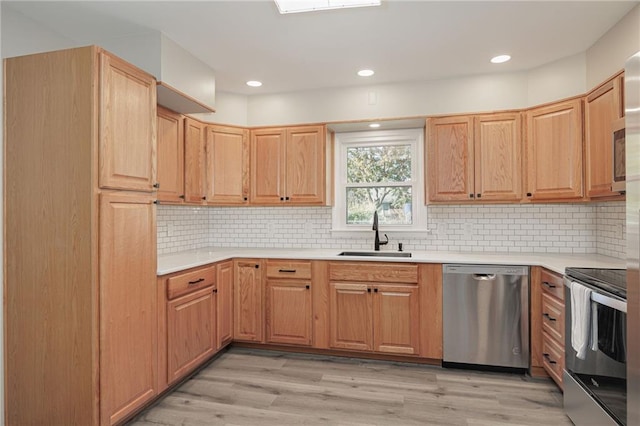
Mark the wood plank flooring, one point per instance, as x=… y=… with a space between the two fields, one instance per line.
x=252 y=387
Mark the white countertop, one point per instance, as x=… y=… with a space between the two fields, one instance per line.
x=175 y=262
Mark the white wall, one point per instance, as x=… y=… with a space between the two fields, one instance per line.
x=557 y=80
x=469 y=94
x=608 y=55
x=22 y=35
x=230 y=108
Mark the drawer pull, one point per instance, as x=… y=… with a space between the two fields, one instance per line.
x=548 y=285
x=291 y=271
x=196 y=281
x=549 y=317
x=308 y=287
x=548 y=357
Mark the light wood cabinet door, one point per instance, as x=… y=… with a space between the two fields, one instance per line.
x=194 y=161
x=224 y=282
x=450 y=159
x=191 y=332
x=127 y=129
x=498 y=158
x=288 y=312
x=267 y=166
x=227 y=165
x=554 y=152
x=305 y=165
x=396 y=319
x=603 y=106
x=170 y=156
x=351 y=320
x=247 y=301
x=128 y=304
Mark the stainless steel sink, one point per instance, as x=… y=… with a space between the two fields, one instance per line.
x=376 y=253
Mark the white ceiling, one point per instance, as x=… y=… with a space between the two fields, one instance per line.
x=402 y=40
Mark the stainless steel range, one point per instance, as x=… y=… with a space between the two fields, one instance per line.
x=595 y=376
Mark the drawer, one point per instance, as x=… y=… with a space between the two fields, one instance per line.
x=289 y=269
x=373 y=272
x=552 y=358
x=553 y=318
x=552 y=284
x=187 y=282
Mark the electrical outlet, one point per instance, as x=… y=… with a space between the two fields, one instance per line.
x=271 y=228
x=170 y=230
x=618 y=232
x=441 y=231
x=308 y=228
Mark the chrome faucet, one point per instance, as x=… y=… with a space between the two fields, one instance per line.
x=377 y=243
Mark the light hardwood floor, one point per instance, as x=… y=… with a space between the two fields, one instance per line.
x=251 y=387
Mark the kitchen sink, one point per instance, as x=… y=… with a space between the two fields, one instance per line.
x=376 y=253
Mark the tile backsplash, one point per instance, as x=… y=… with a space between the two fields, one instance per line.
x=546 y=228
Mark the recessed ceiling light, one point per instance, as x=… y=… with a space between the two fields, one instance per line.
x=366 y=73
x=500 y=59
x=374 y=125
x=254 y=83
x=295 y=6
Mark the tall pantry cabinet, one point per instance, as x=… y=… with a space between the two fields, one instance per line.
x=80 y=249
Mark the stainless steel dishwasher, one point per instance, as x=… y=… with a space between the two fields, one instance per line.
x=486 y=315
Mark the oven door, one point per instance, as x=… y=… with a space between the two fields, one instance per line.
x=597 y=384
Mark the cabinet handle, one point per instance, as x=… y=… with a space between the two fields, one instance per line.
x=156 y=202
x=281 y=198
x=215 y=290
x=196 y=281
x=529 y=194
x=181 y=196
x=548 y=357
x=368 y=290
x=375 y=290
x=246 y=198
x=308 y=286
x=548 y=285
x=287 y=270
x=478 y=195
x=549 y=317
x=470 y=195
x=156 y=185
x=204 y=198
x=257 y=266
x=286 y=198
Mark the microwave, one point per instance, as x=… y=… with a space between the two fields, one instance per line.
x=619 y=163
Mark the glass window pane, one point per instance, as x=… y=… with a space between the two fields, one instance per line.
x=379 y=164
x=393 y=205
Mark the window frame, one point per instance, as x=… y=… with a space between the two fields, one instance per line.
x=412 y=137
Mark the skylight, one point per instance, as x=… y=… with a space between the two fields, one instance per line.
x=295 y=6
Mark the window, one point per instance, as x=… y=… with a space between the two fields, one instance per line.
x=379 y=170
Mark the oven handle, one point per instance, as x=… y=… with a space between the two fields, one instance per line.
x=603 y=299
x=616 y=304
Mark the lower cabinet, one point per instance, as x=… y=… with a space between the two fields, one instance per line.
x=288 y=310
x=188 y=318
x=248 y=321
x=547 y=324
x=375 y=307
x=375 y=317
x=224 y=283
x=191 y=331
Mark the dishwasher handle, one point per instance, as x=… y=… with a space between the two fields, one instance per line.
x=484 y=277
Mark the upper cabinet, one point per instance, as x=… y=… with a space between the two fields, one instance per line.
x=288 y=165
x=554 y=152
x=127 y=130
x=603 y=106
x=194 y=161
x=170 y=156
x=227 y=165
x=475 y=158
